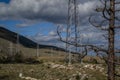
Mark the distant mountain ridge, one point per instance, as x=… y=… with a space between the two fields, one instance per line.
x=12 y=37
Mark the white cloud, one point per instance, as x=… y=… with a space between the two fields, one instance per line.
x=52 y=33
x=26 y=23
x=87 y=8
x=51 y=11
x=33 y=9
x=23 y=25
x=48 y=10
x=39 y=37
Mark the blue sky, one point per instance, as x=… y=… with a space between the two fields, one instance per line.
x=6 y=1
x=38 y=19
x=33 y=29
x=30 y=30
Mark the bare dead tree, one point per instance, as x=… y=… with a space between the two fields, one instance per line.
x=109 y=18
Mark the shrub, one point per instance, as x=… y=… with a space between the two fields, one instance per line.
x=18 y=58
x=32 y=61
x=94 y=61
x=3 y=58
x=7 y=58
x=91 y=60
x=77 y=77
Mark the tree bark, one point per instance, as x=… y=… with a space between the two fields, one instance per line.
x=111 y=54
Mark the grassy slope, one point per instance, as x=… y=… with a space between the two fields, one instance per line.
x=27 y=47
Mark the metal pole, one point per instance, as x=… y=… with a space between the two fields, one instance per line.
x=17 y=48
x=72 y=27
x=11 y=48
x=69 y=63
x=37 y=50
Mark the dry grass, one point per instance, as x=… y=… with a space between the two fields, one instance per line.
x=40 y=71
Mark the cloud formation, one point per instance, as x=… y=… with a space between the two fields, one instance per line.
x=54 y=11
x=46 y=10
x=50 y=39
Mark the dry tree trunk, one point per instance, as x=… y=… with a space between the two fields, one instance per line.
x=111 y=34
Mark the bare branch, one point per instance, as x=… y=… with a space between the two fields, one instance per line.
x=102 y=2
x=118 y=75
x=117 y=18
x=98 y=25
x=105 y=36
x=84 y=53
x=117 y=26
x=117 y=51
x=117 y=10
x=104 y=10
x=117 y=2
x=59 y=33
x=117 y=63
x=92 y=47
x=97 y=49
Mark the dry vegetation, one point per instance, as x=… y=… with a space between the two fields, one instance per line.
x=51 y=71
x=51 y=66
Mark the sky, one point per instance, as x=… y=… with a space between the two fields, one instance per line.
x=38 y=19
x=5 y=1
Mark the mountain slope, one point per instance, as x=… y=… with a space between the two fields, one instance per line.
x=12 y=37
